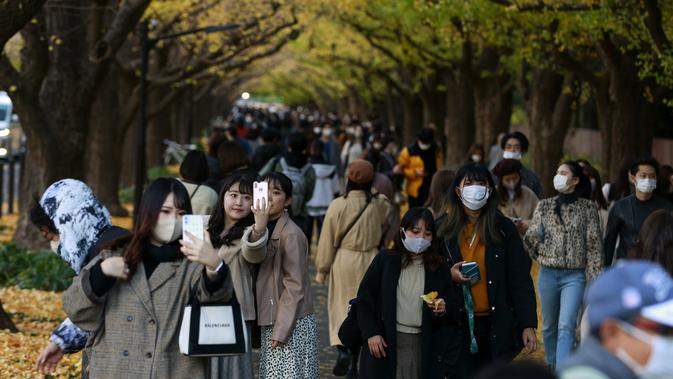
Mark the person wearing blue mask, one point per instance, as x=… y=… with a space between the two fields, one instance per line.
x=630 y=315
x=404 y=334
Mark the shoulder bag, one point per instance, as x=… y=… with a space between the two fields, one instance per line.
x=213 y=329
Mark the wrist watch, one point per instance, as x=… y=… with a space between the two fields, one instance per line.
x=217 y=270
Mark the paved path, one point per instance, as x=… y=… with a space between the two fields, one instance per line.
x=327 y=353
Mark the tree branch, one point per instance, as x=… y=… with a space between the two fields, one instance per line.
x=655 y=27
x=542 y=6
x=14 y=14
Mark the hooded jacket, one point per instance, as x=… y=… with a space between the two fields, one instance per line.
x=83 y=225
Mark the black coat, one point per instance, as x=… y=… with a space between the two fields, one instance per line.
x=377 y=315
x=511 y=295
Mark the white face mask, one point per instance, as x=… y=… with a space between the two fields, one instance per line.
x=167 y=230
x=415 y=245
x=660 y=364
x=561 y=183
x=646 y=185
x=377 y=145
x=54 y=246
x=474 y=197
x=423 y=146
x=512 y=155
x=476 y=158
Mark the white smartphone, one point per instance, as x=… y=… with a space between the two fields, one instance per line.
x=194 y=224
x=260 y=190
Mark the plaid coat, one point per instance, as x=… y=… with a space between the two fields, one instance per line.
x=136 y=325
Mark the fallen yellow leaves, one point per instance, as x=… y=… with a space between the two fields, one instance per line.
x=36 y=314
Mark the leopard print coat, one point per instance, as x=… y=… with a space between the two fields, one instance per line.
x=572 y=241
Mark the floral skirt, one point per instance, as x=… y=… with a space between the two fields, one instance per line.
x=296 y=359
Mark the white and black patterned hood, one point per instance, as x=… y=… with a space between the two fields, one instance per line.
x=78 y=216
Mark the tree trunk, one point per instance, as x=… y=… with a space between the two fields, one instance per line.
x=410 y=118
x=56 y=85
x=6 y=322
x=549 y=116
x=492 y=98
x=433 y=100
x=626 y=117
x=104 y=153
x=460 y=112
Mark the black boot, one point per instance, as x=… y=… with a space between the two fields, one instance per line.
x=342 y=362
x=355 y=358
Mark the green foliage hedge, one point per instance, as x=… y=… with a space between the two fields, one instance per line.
x=28 y=269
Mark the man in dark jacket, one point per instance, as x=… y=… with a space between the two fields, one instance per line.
x=630 y=314
x=628 y=214
x=77 y=227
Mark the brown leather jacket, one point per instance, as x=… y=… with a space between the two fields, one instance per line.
x=284 y=292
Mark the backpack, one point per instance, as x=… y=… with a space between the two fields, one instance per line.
x=298 y=178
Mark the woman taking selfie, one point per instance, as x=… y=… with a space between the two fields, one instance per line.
x=132 y=297
x=237 y=229
x=404 y=335
x=500 y=312
x=284 y=297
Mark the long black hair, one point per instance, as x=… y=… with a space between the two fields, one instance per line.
x=583 y=187
x=455 y=215
x=216 y=222
x=150 y=206
x=431 y=257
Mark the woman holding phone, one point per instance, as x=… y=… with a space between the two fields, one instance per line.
x=406 y=336
x=237 y=229
x=284 y=297
x=500 y=311
x=131 y=297
x=515 y=200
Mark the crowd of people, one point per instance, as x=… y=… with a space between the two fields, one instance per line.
x=430 y=267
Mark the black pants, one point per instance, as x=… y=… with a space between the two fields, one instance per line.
x=470 y=364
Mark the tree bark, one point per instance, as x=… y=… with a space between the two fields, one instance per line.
x=549 y=115
x=433 y=99
x=104 y=153
x=411 y=118
x=626 y=117
x=14 y=14
x=55 y=88
x=492 y=98
x=460 y=117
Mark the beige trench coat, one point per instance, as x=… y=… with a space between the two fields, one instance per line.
x=136 y=325
x=347 y=265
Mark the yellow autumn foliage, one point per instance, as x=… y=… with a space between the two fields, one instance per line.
x=36 y=314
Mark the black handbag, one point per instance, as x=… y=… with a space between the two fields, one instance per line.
x=349 y=331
